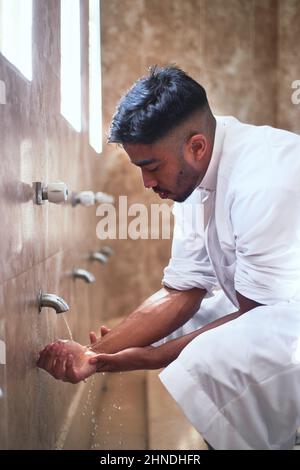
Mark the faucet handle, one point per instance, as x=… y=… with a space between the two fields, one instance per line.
x=55 y=192
x=86 y=198
x=104 y=198
x=89 y=198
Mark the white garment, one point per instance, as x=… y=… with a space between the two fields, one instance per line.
x=239 y=383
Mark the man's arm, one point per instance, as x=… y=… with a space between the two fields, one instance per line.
x=156 y=358
x=168 y=352
x=158 y=316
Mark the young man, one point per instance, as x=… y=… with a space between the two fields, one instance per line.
x=237 y=378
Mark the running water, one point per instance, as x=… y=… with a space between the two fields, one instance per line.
x=68 y=326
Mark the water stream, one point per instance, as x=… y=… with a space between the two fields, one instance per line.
x=68 y=327
x=98 y=424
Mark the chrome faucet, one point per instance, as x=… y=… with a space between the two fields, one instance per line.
x=52 y=301
x=107 y=251
x=84 y=274
x=97 y=256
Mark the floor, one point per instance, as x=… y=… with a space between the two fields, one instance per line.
x=137 y=413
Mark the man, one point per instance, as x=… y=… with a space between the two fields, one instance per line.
x=237 y=378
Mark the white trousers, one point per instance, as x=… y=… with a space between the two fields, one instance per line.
x=239 y=384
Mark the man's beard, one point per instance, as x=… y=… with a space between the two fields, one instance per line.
x=186 y=182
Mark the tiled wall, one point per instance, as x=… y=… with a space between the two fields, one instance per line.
x=41 y=244
x=243 y=51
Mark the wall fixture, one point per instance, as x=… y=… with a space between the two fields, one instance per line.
x=56 y=192
x=98 y=256
x=107 y=250
x=84 y=275
x=89 y=198
x=52 y=301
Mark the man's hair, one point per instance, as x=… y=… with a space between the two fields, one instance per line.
x=156 y=104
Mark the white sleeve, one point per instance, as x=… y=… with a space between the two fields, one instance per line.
x=189 y=265
x=266 y=225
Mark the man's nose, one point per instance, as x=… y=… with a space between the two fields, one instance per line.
x=148 y=180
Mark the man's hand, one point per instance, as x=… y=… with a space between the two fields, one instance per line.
x=67 y=361
x=126 y=360
x=102 y=332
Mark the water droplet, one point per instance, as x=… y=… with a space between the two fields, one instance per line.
x=109 y=417
x=93 y=420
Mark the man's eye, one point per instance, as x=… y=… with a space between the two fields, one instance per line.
x=152 y=169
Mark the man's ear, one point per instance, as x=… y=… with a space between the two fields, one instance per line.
x=197 y=146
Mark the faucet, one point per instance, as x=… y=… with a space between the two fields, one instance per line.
x=107 y=251
x=52 y=301
x=89 y=198
x=84 y=274
x=97 y=256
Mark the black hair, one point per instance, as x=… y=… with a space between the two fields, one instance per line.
x=154 y=105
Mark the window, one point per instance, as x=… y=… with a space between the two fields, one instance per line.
x=95 y=87
x=70 y=77
x=16 y=34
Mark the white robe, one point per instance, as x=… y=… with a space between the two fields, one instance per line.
x=239 y=383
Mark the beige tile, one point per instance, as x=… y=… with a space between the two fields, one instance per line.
x=37 y=403
x=46 y=23
x=3 y=380
x=228 y=35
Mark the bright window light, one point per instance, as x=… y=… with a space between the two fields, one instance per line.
x=95 y=87
x=16 y=34
x=70 y=76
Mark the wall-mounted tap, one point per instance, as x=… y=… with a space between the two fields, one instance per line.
x=103 y=197
x=52 y=301
x=56 y=192
x=107 y=250
x=85 y=198
x=89 y=198
x=84 y=274
x=97 y=256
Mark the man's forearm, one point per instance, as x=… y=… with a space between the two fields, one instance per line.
x=162 y=356
x=158 y=316
x=168 y=352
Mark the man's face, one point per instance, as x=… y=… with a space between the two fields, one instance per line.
x=169 y=170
